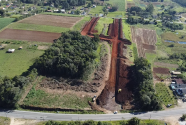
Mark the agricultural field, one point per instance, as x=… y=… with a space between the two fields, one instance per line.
x=145 y=40
x=5 y=22
x=26 y=35
x=12 y=64
x=79 y=26
x=50 y=20
x=97 y=10
x=116 y=14
x=165 y=94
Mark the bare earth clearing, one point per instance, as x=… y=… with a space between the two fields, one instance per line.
x=145 y=40
x=59 y=21
x=29 y=35
x=167 y=65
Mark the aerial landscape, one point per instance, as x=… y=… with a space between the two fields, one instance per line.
x=92 y=62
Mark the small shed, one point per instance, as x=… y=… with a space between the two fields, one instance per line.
x=20 y=47
x=11 y=50
x=63 y=10
x=175 y=73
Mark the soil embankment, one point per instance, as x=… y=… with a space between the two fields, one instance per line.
x=110 y=94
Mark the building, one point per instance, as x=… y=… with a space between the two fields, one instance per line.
x=11 y=50
x=175 y=73
x=178 y=81
x=63 y=10
x=180 y=89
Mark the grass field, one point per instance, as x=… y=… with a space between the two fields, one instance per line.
x=5 y=21
x=96 y=10
x=100 y=24
x=81 y=23
x=12 y=64
x=37 y=97
x=119 y=3
x=35 y=27
x=117 y=14
x=150 y=57
x=4 y=121
x=165 y=94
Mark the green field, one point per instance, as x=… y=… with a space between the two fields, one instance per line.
x=119 y=3
x=150 y=57
x=100 y=24
x=96 y=10
x=116 y=14
x=12 y=64
x=165 y=94
x=35 y=27
x=5 y=22
x=81 y=23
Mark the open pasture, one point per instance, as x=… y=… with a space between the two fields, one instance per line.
x=26 y=35
x=51 y=20
x=12 y=64
x=145 y=40
x=5 y=21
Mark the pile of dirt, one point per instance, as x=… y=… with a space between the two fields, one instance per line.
x=76 y=84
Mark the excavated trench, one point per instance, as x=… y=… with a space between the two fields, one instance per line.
x=120 y=73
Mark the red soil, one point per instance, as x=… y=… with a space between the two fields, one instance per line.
x=106 y=99
x=26 y=35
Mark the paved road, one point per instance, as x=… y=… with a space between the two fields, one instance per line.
x=96 y=117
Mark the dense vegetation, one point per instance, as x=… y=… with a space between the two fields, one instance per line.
x=63 y=3
x=11 y=89
x=70 y=56
x=147 y=98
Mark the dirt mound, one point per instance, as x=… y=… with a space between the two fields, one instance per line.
x=161 y=70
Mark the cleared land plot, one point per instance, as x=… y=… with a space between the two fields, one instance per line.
x=52 y=20
x=5 y=21
x=165 y=94
x=29 y=35
x=161 y=70
x=12 y=64
x=36 y=27
x=167 y=65
x=145 y=40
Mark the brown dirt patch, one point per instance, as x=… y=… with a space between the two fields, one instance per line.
x=27 y=35
x=145 y=40
x=51 y=20
x=161 y=64
x=42 y=47
x=161 y=70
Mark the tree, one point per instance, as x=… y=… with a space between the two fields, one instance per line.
x=77 y=12
x=114 y=8
x=2 y=12
x=162 y=7
x=134 y=121
x=183 y=117
x=150 y=8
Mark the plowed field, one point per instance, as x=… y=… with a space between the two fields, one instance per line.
x=51 y=20
x=161 y=70
x=145 y=40
x=29 y=35
x=107 y=98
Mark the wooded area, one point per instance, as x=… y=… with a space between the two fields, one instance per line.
x=69 y=57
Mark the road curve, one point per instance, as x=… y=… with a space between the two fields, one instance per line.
x=83 y=117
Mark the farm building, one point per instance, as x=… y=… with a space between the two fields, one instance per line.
x=63 y=10
x=178 y=81
x=11 y=50
x=175 y=73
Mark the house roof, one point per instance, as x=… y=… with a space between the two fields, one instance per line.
x=179 y=81
x=178 y=86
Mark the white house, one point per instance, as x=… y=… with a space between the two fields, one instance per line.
x=11 y=50
x=63 y=10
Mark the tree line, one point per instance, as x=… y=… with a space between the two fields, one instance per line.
x=63 y=3
x=69 y=57
x=181 y=2
x=146 y=96
x=11 y=89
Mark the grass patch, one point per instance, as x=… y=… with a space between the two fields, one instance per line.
x=135 y=51
x=4 y=121
x=117 y=14
x=78 y=26
x=35 y=27
x=165 y=94
x=126 y=30
x=119 y=3
x=61 y=14
x=12 y=64
x=5 y=22
x=40 y=98
x=100 y=24
x=96 y=10
x=150 y=57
